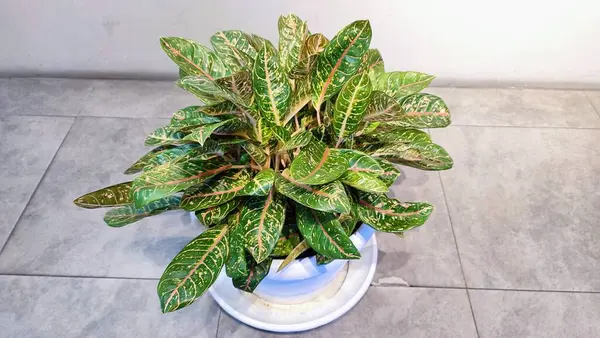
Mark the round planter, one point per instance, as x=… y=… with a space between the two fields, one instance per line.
x=304 y=295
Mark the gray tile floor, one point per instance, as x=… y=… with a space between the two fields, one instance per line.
x=512 y=250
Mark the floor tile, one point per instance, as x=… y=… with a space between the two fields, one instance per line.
x=426 y=256
x=37 y=96
x=594 y=97
x=518 y=107
x=87 y=307
x=387 y=312
x=536 y=314
x=28 y=145
x=129 y=98
x=524 y=206
x=55 y=237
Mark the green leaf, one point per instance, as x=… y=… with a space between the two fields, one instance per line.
x=217 y=213
x=259 y=42
x=169 y=155
x=300 y=97
x=112 y=196
x=143 y=161
x=384 y=108
x=260 y=185
x=205 y=89
x=329 y=197
x=390 y=172
x=372 y=64
x=173 y=177
x=402 y=84
x=194 y=58
x=265 y=133
x=317 y=164
x=236 y=265
x=312 y=46
x=193 y=270
x=361 y=162
x=164 y=136
x=339 y=60
x=256 y=273
x=424 y=111
x=297 y=251
x=292 y=32
x=299 y=140
x=421 y=155
x=363 y=181
x=401 y=135
x=200 y=113
x=389 y=215
x=348 y=222
x=237 y=88
x=122 y=216
x=289 y=238
x=257 y=153
x=280 y=133
x=202 y=133
x=325 y=234
x=262 y=218
x=272 y=89
x=234 y=48
x=214 y=192
x=351 y=106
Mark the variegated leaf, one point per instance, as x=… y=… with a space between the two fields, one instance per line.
x=351 y=106
x=236 y=265
x=312 y=46
x=194 y=58
x=237 y=88
x=360 y=162
x=260 y=185
x=214 y=192
x=317 y=164
x=166 y=135
x=372 y=64
x=202 y=133
x=384 y=108
x=424 y=111
x=257 y=153
x=299 y=140
x=292 y=33
x=339 y=60
x=325 y=234
x=216 y=214
x=143 y=161
x=367 y=128
x=256 y=273
x=258 y=42
x=234 y=48
x=389 y=215
x=195 y=112
x=173 y=177
x=329 y=197
x=262 y=218
x=390 y=134
x=112 y=196
x=402 y=84
x=421 y=155
x=296 y=251
x=281 y=133
x=289 y=238
x=272 y=89
x=194 y=117
x=363 y=181
x=169 y=155
x=390 y=172
x=194 y=269
x=205 y=89
x=124 y=215
x=348 y=222
x=300 y=97
x=264 y=131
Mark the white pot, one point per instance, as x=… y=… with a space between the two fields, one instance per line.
x=304 y=295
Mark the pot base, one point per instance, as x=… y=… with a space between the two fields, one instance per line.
x=337 y=298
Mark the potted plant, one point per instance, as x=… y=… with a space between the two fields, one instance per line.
x=288 y=160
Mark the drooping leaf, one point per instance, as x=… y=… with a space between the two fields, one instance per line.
x=205 y=89
x=339 y=60
x=168 y=155
x=112 y=196
x=234 y=48
x=164 y=136
x=262 y=218
x=256 y=273
x=292 y=33
x=400 y=135
x=236 y=262
x=272 y=89
x=143 y=161
x=124 y=215
x=424 y=111
x=348 y=222
x=372 y=64
x=200 y=112
x=260 y=185
x=237 y=87
x=289 y=238
x=329 y=197
x=384 y=108
x=317 y=164
x=351 y=106
x=390 y=172
x=194 y=58
x=297 y=141
x=402 y=84
x=173 y=177
x=363 y=181
x=217 y=213
x=214 y=192
x=312 y=46
x=325 y=234
x=421 y=155
x=297 y=251
x=257 y=153
x=389 y=215
x=202 y=133
x=194 y=269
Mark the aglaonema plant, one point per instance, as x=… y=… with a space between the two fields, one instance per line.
x=292 y=151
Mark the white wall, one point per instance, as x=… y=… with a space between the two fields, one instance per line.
x=510 y=42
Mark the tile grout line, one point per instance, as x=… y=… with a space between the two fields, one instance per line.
x=12 y=231
x=520 y=127
x=41 y=275
x=462 y=270
x=87 y=97
x=591 y=103
x=218 y=322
